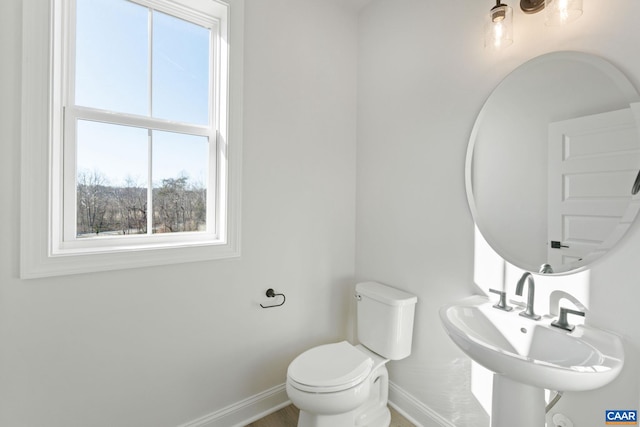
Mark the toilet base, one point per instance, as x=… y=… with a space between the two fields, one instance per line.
x=372 y=413
x=339 y=420
x=380 y=417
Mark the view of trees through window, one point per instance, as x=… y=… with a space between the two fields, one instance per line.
x=104 y=209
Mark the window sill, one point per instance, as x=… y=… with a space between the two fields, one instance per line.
x=45 y=265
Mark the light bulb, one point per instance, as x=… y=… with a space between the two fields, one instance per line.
x=560 y=12
x=499 y=28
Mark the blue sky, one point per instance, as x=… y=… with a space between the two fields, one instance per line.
x=113 y=73
x=121 y=153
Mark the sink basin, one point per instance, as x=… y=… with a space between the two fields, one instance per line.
x=533 y=352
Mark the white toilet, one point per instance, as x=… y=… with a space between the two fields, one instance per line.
x=342 y=385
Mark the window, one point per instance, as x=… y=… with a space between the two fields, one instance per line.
x=143 y=143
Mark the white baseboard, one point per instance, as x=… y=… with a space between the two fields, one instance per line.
x=413 y=410
x=246 y=411
x=262 y=404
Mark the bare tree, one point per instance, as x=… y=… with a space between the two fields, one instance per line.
x=178 y=205
x=92 y=201
x=131 y=202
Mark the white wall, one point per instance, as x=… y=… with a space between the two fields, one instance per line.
x=423 y=77
x=163 y=346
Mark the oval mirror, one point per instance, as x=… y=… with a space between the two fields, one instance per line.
x=552 y=160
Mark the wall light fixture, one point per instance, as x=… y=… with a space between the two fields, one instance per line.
x=499 y=28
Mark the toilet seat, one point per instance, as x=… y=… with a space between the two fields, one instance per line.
x=329 y=368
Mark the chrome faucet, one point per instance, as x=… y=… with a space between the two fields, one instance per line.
x=502 y=304
x=562 y=319
x=528 y=312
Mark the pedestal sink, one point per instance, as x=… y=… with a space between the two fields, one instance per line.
x=528 y=356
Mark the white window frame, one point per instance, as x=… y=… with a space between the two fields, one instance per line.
x=45 y=250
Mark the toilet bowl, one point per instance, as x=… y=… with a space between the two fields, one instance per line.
x=345 y=385
x=339 y=384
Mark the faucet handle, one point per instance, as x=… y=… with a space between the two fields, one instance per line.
x=562 y=322
x=502 y=303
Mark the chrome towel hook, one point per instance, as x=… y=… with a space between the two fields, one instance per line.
x=272 y=294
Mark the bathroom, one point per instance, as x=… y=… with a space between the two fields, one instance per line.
x=356 y=121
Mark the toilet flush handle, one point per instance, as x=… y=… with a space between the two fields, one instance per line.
x=357 y=296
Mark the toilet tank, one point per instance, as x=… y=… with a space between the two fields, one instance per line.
x=385 y=319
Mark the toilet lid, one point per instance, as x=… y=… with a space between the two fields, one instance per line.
x=330 y=368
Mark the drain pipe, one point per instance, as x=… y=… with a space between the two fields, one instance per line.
x=553 y=401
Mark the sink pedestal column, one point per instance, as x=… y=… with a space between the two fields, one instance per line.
x=516 y=404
